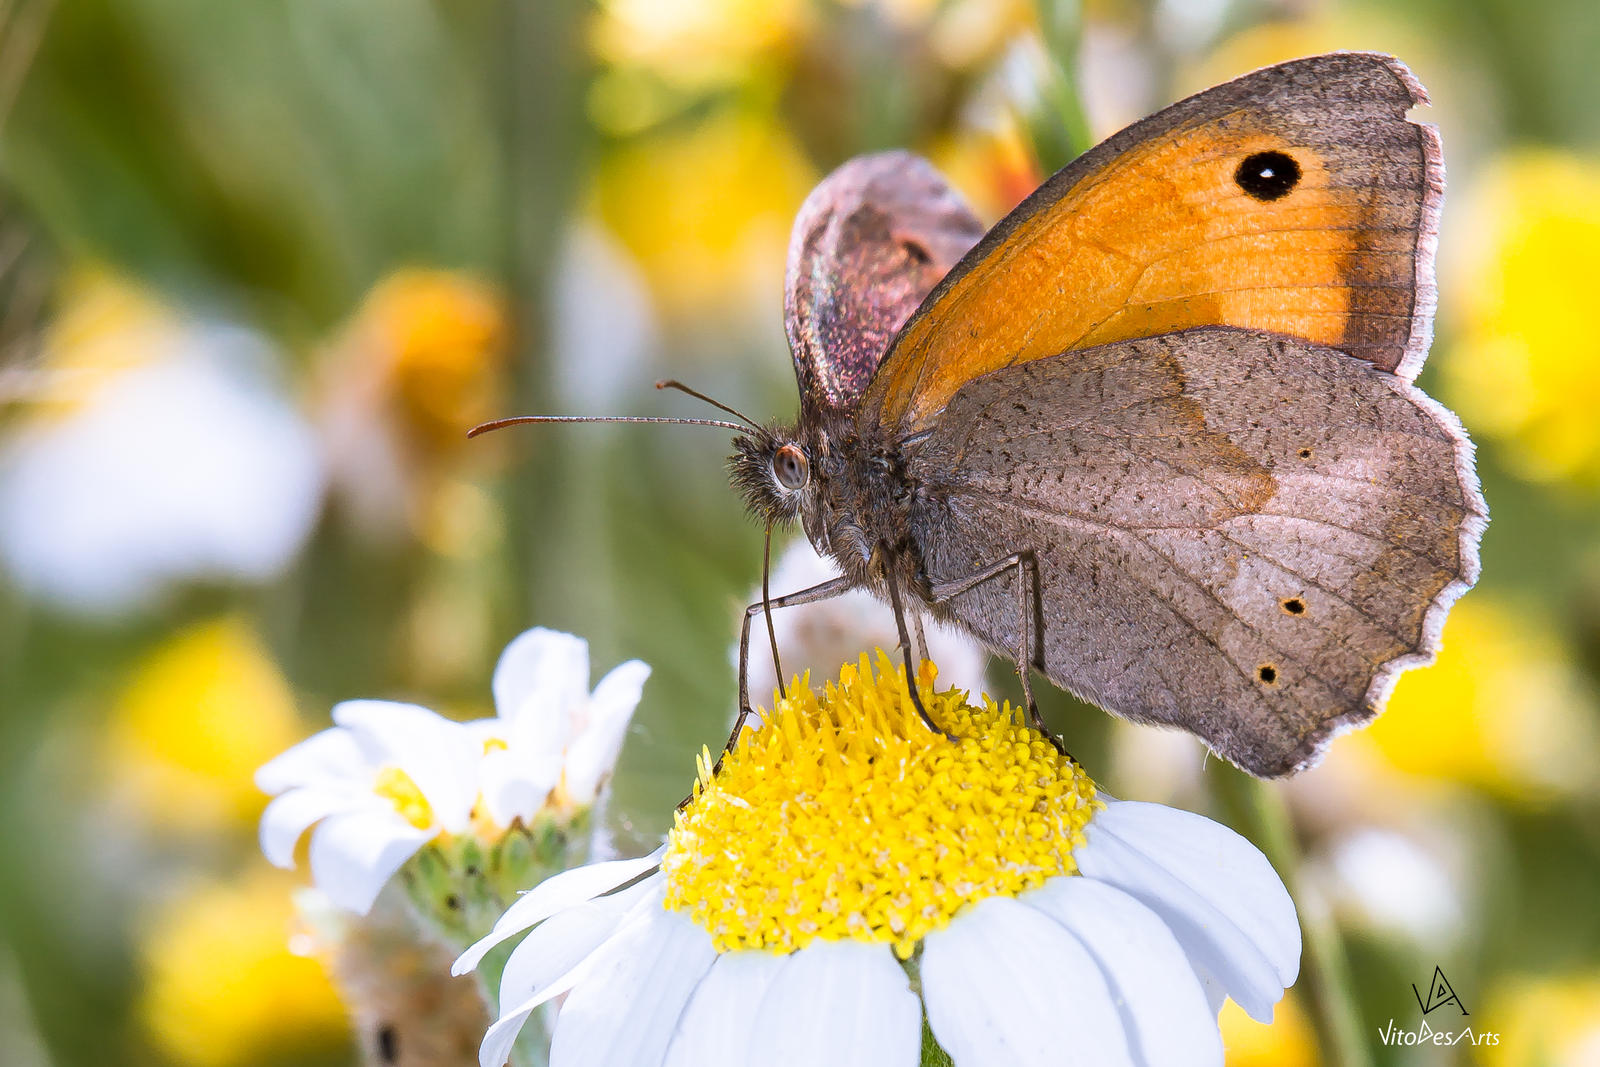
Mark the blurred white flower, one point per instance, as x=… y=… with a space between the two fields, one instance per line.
x=385 y=781
x=772 y=926
x=189 y=464
x=1391 y=883
x=603 y=323
x=818 y=637
x=552 y=742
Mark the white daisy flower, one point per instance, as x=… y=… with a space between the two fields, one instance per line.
x=391 y=778
x=378 y=786
x=847 y=874
x=191 y=464
x=553 y=742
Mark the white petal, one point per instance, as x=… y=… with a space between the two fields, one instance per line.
x=716 y=1027
x=516 y=783
x=1006 y=986
x=439 y=755
x=1208 y=935
x=327 y=757
x=1222 y=866
x=1164 y=1012
x=1216 y=993
x=625 y=1012
x=502 y=1035
x=564 y=940
x=840 y=1003
x=544 y=673
x=556 y=893
x=354 y=854
x=499 y=1039
x=291 y=814
x=592 y=754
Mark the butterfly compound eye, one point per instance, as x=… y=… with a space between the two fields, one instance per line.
x=790 y=467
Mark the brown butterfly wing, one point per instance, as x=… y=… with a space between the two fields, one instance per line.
x=1242 y=534
x=869 y=243
x=1154 y=231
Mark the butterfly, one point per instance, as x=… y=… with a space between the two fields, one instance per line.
x=1153 y=435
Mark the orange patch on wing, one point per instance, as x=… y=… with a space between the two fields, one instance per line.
x=1162 y=239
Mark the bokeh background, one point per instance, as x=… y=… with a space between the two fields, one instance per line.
x=263 y=262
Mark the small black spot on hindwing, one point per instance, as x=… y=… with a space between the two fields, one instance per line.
x=1268 y=175
x=1294 y=606
x=1267 y=673
x=388 y=1044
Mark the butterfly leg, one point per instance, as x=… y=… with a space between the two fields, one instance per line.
x=905 y=650
x=826 y=591
x=920 y=634
x=1027 y=571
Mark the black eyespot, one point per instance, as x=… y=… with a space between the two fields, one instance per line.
x=1294 y=606
x=1267 y=673
x=1268 y=175
x=1305 y=453
x=790 y=467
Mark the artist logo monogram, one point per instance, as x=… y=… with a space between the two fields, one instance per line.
x=1439 y=994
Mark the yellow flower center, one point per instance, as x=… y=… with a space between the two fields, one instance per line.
x=396 y=786
x=845 y=817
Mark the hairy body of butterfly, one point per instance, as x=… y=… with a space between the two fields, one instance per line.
x=1154 y=434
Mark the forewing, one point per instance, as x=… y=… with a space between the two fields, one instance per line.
x=869 y=244
x=1153 y=231
x=1245 y=535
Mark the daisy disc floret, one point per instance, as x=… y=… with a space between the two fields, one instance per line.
x=845 y=817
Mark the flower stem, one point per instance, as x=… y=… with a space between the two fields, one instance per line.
x=1334 y=1014
x=1059 y=128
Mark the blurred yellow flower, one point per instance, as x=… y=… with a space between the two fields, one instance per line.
x=222 y=986
x=438 y=337
x=1526 y=369
x=1326 y=29
x=695 y=43
x=1544 y=1022
x=1503 y=709
x=993 y=167
x=198 y=715
x=706 y=212
x=1287 y=1041
x=422 y=361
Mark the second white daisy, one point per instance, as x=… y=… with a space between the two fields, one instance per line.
x=389 y=779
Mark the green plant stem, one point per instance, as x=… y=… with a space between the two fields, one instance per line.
x=1059 y=128
x=1335 y=1017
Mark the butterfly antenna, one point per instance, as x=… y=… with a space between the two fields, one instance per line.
x=673 y=383
x=766 y=607
x=518 y=420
